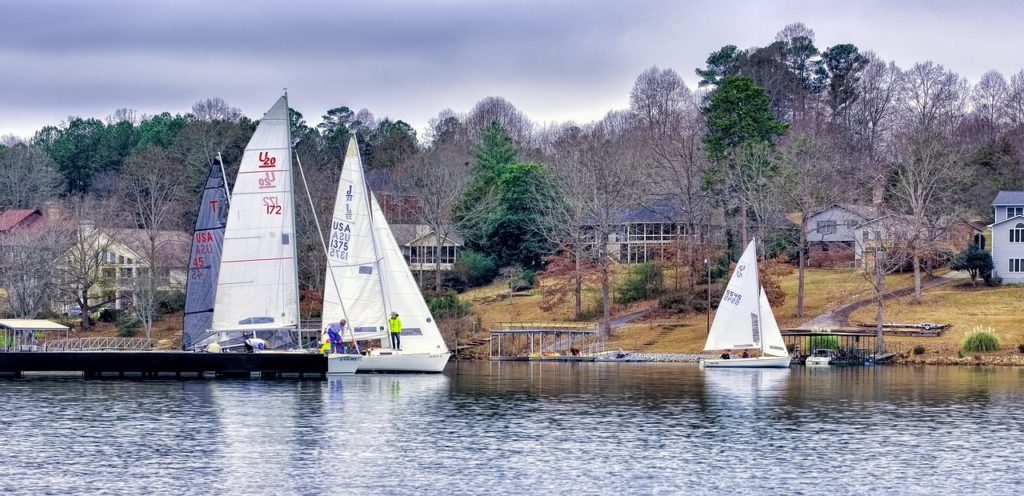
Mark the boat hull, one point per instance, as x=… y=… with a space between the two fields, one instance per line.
x=343 y=364
x=756 y=362
x=818 y=361
x=397 y=361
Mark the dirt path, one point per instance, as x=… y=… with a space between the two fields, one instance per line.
x=840 y=316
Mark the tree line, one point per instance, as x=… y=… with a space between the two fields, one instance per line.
x=770 y=130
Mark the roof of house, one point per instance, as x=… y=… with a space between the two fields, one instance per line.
x=866 y=212
x=654 y=211
x=9 y=219
x=1008 y=219
x=1009 y=198
x=172 y=246
x=406 y=234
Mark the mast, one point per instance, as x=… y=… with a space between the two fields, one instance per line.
x=224 y=176
x=379 y=259
x=295 y=240
x=757 y=278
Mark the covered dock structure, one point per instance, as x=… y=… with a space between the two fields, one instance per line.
x=853 y=345
x=544 y=341
x=24 y=334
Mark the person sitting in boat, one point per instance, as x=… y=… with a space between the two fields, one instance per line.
x=395 y=326
x=746 y=354
x=726 y=355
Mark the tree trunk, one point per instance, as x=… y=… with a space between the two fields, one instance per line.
x=879 y=303
x=743 y=228
x=802 y=256
x=437 y=266
x=83 y=304
x=577 y=290
x=917 y=277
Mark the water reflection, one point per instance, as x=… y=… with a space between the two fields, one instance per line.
x=514 y=428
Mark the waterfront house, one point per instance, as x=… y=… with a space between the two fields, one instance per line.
x=832 y=234
x=937 y=242
x=420 y=248
x=1008 y=236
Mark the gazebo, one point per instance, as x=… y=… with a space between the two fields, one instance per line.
x=20 y=334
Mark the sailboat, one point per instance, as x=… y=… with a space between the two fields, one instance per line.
x=372 y=280
x=204 y=261
x=257 y=292
x=744 y=319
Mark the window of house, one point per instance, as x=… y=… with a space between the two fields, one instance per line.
x=878 y=235
x=109 y=273
x=1017 y=265
x=448 y=254
x=130 y=261
x=126 y=273
x=826 y=227
x=120 y=259
x=851 y=224
x=1017 y=233
x=867 y=234
x=1014 y=211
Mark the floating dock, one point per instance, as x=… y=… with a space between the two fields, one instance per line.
x=165 y=364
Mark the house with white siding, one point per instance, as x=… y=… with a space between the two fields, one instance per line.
x=1008 y=237
x=832 y=234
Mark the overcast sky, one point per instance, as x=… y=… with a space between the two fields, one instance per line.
x=554 y=60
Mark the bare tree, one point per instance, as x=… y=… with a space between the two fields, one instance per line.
x=152 y=186
x=91 y=222
x=215 y=109
x=873 y=114
x=928 y=175
x=29 y=263
x=497 y=109
x=438 y=177
x=808 y=170
x=1015 y=99
x=989 y=99
x=30 y=176
x=881 y=258
x=934 y=99
x=753 y=176
x=668 y=117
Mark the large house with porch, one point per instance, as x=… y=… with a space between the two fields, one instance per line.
x=1008 y=236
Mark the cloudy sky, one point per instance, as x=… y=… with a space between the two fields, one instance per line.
x=555 y=60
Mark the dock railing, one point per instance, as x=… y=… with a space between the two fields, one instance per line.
x=98 y=344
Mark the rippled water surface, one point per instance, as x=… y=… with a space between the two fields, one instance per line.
x=522 y=428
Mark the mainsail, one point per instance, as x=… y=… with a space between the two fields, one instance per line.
x=367 y=270
x=204 y=260
x=737 y=321
x=352 y=287
x=258 y=283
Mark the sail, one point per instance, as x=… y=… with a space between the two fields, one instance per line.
x=258 y=283
x=352 y=286
x=737 y=321
x=420 y=333
x=204 y=260
x=774 y=345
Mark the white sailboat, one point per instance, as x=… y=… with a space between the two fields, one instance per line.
x=744 y=320
x=372 y=280
x=258 y=286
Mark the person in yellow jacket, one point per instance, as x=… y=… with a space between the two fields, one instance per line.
x=395 y=325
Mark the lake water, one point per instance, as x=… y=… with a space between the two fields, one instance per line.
x=522 y=428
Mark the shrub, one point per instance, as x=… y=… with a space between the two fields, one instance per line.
x=110 y=315
x=981 y=339
x=822 y=342
x=975 y=261
x=645 y=280
x=447 y=306
x=127 y=324
x=530 y=277
x=170 y=302
x=919 y=350
x=476 y=268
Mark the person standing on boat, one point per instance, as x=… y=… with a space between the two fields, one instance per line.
x=334 y=332
x=395 y=325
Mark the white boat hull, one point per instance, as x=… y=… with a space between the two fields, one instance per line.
x=343 y=363
x=398 y=361
x=756 y=362
x=818 y=361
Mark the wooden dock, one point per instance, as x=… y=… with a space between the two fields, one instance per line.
x=166 y=364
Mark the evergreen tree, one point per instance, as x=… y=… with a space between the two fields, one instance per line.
x=738 y=113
